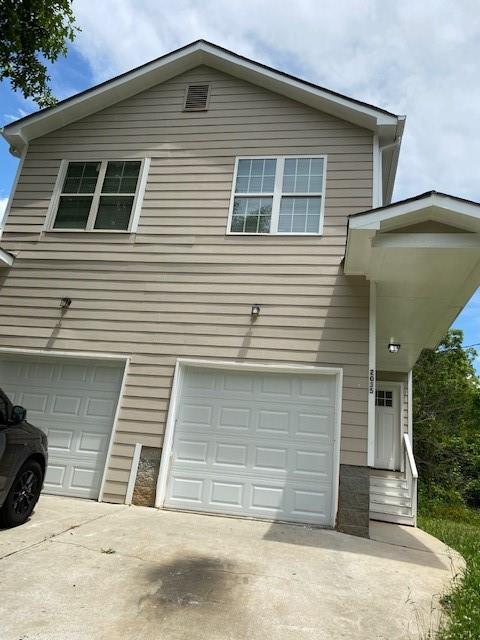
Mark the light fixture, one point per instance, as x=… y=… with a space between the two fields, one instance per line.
x=255 y=312
x=394 y=347
x=65 y=303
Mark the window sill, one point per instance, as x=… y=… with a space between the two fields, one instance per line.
x=274 y=235
x=94 y=231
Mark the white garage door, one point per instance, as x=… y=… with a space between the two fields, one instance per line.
x=254 y=444
x=74 y=402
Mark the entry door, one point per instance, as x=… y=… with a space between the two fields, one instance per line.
x=387 y=427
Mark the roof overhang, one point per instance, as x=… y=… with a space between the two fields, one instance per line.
x=424 y=256
x=380 y=121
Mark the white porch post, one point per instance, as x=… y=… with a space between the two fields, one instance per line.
x=410 y=405
x=372 y=337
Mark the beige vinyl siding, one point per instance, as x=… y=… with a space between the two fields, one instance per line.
x=181 y=287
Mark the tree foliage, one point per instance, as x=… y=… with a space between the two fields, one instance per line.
x=446 y=418
x=31 y=33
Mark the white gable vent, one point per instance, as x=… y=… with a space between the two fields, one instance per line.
x=196 y=97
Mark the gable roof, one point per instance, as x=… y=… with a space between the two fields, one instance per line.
x=388 y=126
x=431 y=205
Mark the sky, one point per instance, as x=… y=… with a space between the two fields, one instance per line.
x=415 y=58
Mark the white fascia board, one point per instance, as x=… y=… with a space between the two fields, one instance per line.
x=253 y=71
x=373 y=219
x=178 y=62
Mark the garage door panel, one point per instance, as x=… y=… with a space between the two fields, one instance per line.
x=226 y=493
x=313 y=424
x=191 y=451
x=238 y=418
x=59 y=439
x=273 y=422
x=260 y=497
x=225 y=415
x=256 y=444
x=196 y=414
x=74 y=402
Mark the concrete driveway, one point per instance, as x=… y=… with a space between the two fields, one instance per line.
x=80 y=570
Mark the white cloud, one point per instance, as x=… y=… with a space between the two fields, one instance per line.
x=420 y=59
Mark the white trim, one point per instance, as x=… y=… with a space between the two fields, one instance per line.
x=138 y=202
x=137 y=198
x=372 y=339
x=402 y=417
x=133 y=473
x=13 y=189
x=91 y=356
x=114 y=430
x=5 y=257
x=410 y=404
x=376 y=174
x=178 y=62
x=53 y=206
x=381 y=384
x=372 y=219
x=65 y=354
x=167 y=444
x=277 y=195
x=183 y=363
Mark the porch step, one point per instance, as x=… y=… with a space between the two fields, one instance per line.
x=383 y=500
x=390 y=499
x=391 y=509
x=401 y=492
x=396 y=519
x=388 y=483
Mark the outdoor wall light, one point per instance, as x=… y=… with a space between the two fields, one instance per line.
x=65 y=303
x=394 y=347
x=255 y=312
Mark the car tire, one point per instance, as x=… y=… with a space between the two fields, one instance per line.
x=23 y=495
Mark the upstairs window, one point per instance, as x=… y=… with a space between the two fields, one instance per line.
x=278 y=195
x=98 y=196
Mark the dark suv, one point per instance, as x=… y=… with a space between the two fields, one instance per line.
x=23 y=461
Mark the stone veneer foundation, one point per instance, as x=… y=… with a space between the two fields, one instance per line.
x=353 y=515
x=147 y=474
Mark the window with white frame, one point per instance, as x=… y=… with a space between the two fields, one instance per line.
x=279 y=194
x=97 y=195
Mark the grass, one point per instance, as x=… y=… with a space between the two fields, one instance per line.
x=459 y=528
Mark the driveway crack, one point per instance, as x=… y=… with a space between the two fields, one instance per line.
x=54 y=535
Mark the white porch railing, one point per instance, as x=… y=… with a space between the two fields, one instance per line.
x=411 y=474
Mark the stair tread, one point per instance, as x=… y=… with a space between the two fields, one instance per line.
x=396 y=519
x=374 y=495
x=392 y=500
x=392 y=509
x=389 y=483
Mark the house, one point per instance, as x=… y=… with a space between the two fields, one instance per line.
x=209 y=269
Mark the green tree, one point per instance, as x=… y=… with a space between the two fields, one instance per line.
x=31 y=33
x=446 y=418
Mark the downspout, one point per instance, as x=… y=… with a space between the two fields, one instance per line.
x=396 y=146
